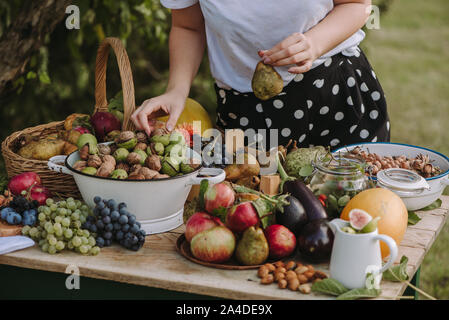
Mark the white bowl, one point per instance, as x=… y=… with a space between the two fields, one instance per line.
x=437 y=184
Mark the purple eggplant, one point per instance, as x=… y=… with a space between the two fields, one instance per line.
x=315 y=241
x=295 y=187
x=293 y=216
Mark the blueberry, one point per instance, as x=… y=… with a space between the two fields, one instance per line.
x=125 y=228
x=111 y=203
x=107 y=242
x=86 y=225
x=132 y=219
x=134 y=240
x=134 y=229
x=17 y=218
x=123 y=219
x=105 y=212
x=121 y=205
x=107 y=235
x=97 y=211
x=90 y=219
x=100 y=205
x=123 y=211
x=107 y=219
x=119 y=235
x=4 y=212
x=117 y=226
x=109 y=227
x=115 y=215
x=100 y=224
x=138 y=224
x=93 y=228
x=142 y=232
x=97 y=199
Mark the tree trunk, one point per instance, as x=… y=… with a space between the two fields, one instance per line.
x=26 y=34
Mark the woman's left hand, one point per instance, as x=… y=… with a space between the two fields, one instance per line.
x=296 y=49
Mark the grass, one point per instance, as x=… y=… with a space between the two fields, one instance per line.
x=410 y=54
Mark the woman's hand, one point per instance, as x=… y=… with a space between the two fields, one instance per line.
x=296 y=49
x=170 y=103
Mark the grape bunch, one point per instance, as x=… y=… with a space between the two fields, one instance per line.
x=112 y=221
x=20 y=210
x=60 y=227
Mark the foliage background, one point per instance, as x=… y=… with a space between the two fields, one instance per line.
x=410 y=54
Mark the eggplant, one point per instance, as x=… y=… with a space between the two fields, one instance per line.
x=316 y=240
x=313 y=207
x=293 y=217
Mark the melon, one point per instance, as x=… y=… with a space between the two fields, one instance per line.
x=383 y=203
x=193 y=111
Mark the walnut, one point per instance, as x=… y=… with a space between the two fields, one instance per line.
x=141 y=137
x=133 y=158
x=94 y=161
x=160 y=132
x=125 y=136
x=147 y=173
x=153 y=162
x=104 y=149
x=141 y=146
x=80 y=165
x=135 y=168
x=136 y=176
x=84 y=152
x=123 y=166
x=112 y=147
x=107 y=167
x=161 y=176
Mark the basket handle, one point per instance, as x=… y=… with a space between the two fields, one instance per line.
x=101 y=102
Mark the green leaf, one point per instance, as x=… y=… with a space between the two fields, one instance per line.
x=434 y=205
x=44 y=78
x=413 y=218
x=204 y=185
x=306 y=170
x=397 y=273
x=329 y=286
x=31 y=75
x=359 y=294
x=265 y=211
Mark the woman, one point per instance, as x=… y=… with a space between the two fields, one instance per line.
x=331 y=95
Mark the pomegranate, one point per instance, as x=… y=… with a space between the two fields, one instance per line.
x=39 y=193
x=103 y=123
x=213 y=245
x=241 y=216
x=200 y=222
x=23 y=181
x=218 y=196
x=281 y=241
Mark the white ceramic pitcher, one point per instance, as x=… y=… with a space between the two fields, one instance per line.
x=353 y=255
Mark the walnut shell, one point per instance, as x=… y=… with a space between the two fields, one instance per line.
x=135 y=168
x=136 y=176
x=133 y=158
x=80 y=165
x=125 y=136
x=104 y=149
x=147 y=173
x=153 y=162
x=94 y=161
x=141 y=146
x=84 y=152
x=161 y=176
x=141 y=137
x=123 y=166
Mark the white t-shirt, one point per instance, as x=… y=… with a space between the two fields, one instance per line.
x=237 y=29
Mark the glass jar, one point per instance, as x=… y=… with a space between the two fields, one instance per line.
x=337 y=179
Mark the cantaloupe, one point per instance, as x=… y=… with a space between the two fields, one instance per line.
x=380 y=202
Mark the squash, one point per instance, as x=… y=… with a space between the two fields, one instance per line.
x=386 y=204
x=193 y=111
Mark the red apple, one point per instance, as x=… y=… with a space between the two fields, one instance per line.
x=213 y=245
x=218 y=196
x=241 y=216
x=200 y=222
x=23 y=181
x=39 y=193
x=281 y=241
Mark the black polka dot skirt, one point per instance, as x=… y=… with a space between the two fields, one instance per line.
x=340 y=102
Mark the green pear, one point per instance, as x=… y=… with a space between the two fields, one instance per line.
x=252 y=248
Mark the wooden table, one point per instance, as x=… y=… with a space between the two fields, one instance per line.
x=158 y=265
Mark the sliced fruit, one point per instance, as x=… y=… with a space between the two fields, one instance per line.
x=371 y=226
x=359 y=218
x=348 y=230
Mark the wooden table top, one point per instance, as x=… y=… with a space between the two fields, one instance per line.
x=159 y=265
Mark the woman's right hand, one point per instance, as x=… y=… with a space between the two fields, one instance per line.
x=170 y=103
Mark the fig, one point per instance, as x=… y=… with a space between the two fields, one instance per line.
x=349 y=230
x=218 y=196
x=370 y=226
x=359 y=218
x=316 y=240
x=200 y=222
x=241 y=216
x=213 y=245
x=119 y=174
x=281 y=241
x=266 y=82
x=252 y=248
x=121 y=154
x=294 y=216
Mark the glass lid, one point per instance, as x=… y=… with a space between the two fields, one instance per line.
x=402 y=179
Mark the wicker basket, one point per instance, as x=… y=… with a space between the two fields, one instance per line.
x=59 y=183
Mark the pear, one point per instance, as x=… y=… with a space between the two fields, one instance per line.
x=266 y=82
x=252 y=248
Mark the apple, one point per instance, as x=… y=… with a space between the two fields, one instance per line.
x=23 y=181
x=241 y=216
x=213 y=245
x=218 y=196
x=281 y=241
x=200 y=222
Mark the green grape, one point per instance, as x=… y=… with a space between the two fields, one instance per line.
x=45 y=247
x=44 y=234
x=84 y=249
x=26 y=230
x=52 y=241
x=47 y=211
x=49 y=201
x=68 y=233
x=33 y=232
x=62 y=211
x=82 y=219
x=71 y=205
x=77 y=224
x=42 y=242
x=53 y=215
x=62 y=204
x=57 y=226
x=75 y=216
x=86 y=233
x=94 y=251
x=69 y=212
x=84 y=241
x=65 y=222
x=58 y=219
x=76 y=241
x=50 y=236
x=78 y=203
x=80 y=232
x=37 y=235
x=42 y=223
x=53 y=207
x=40 y=209
x=50 y=229
x=42 y=216
x=84 y=207
x=70 y=245
x=70 y=199
x=51 y=249
x=92 y=241
x=59 y=245
x=59 y=233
